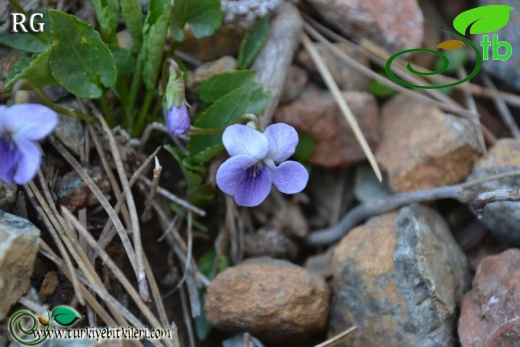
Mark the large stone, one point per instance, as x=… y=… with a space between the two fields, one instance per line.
x=507 y=70
x=396 y=25
x=490 y=311
x=317 y=113
x=502 y=218
x=272 y=299
x=18 y=248
x=399 y=276
x=224 y=64
x=422 y=147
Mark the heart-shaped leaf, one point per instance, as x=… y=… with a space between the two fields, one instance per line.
x=65 y=315
x=483 y=19
x=451 y=45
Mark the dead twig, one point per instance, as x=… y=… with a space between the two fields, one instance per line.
x=472 y=106
x=460 y=192
x=147 y=215
x=503 y=110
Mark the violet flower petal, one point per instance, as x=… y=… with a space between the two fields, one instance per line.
x=8 y=158
x=282 y=140
x=28 y=121
x=229 y=173
x=178 y=120
x=29 y=162
x=290 y=177
x=241 y=139
x=252 y=189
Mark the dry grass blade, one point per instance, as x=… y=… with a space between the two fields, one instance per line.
x=338 y=337
x=113 y=267
x=102 y=292
x=472 y=106
x=502 y=108
x=107 y=234
x=173 y=198
x=144 y=291
x=101 y=198
x=52 y=224
x=147 y=213
x=333 y=87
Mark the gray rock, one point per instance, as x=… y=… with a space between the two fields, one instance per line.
x=18 y=248
x=507 y=70
x=399 y=276
x=7 y=195
x=71 y=132
x=502 y=218
x=366 y=185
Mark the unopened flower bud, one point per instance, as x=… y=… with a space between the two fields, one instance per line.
x=178 y=119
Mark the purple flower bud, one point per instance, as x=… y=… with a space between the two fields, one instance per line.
x=251 y=171
x=20 y=126
x=178 y=119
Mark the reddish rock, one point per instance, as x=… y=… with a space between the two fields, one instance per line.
x=490 y=311
x=272 y=299
x=347 y=78
x=422 y=147
x=317 y=113
x=396 y=25
x=399 y=276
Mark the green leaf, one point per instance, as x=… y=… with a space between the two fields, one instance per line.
x=220 y=114
x=203 y=16
x=29 y=42
x=202 y=326
x=154 y=36
x=107 y=13
x=305 y=147
x=208 y=154
x=79 y=59
x=207 y=261
x=483 y=19
x=380 y=90
x=259 y=99
x=253 y=42
x=65 y=315
x=132 y=16
x=35 y=69
x=124 y=62
x=202 y=194
x=219 y=85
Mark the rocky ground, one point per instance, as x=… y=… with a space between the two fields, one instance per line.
x=427 y=257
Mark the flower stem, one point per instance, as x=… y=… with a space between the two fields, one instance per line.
x=141 y=119
x=48 y=103
x=107 y=111
x=200 y=131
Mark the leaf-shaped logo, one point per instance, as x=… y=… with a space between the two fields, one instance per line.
x=65 y=315
x=483 y=19
x=451 y=45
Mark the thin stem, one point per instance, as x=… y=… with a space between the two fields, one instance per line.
x=17 y=7
x=107 y=111
x=141 y=119
x=48 y=103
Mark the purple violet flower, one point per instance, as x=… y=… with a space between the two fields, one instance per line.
x=20 y=126
x=178 y=119
x=251 y=170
